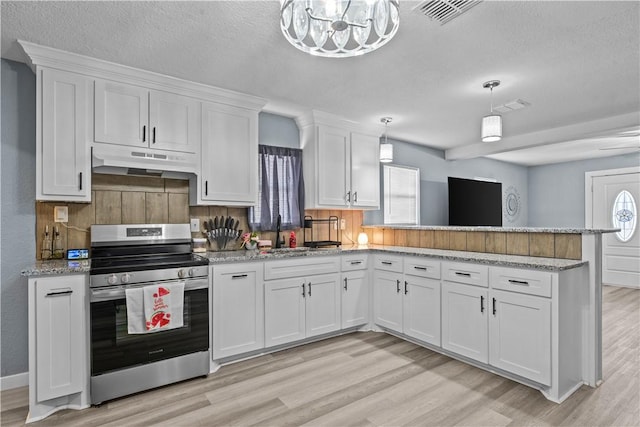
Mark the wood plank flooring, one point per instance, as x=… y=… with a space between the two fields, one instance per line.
x=374 y=379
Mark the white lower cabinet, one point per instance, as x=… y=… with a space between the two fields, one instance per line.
x=509 y=329
x=355 y=298
x=464 y=320
x=520 y=335
x=408 y=303
x=298 y=308
x=58 y=344
x=238 y=309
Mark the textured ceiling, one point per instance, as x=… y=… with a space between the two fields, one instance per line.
x=577 y=63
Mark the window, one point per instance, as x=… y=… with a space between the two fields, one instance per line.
x=624 y=215
x=401 y=195
x=280 y=189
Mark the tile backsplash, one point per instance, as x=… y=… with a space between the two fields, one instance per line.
x=119 y=199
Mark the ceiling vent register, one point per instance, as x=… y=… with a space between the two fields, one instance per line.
x=444 y=11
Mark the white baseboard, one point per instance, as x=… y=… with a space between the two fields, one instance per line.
x=14 y=381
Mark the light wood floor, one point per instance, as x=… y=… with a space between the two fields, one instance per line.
x=373 y=379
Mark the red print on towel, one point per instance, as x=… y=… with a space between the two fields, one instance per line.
x=160 y=318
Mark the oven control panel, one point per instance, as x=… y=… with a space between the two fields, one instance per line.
x=141 y=277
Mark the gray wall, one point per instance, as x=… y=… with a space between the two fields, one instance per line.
x=434 y=170
x=278 y=131
x=18 y=191
x=556 y=192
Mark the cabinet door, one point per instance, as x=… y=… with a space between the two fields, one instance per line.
x=355 y=298
x=63 y=153
x=121 y=114
x=229 y=155
x=365 y=171
x=387 y=299
x=421 y=309
x=333 y=180
x=60 y=336
x=464 y=320
x=238 y=310
x=322 y=304
x=284 y=311
x=520 y=335
x=174 y=122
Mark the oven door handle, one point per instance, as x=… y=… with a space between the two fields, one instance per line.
x=118 y=292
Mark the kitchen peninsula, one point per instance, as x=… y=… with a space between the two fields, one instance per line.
x=564 y=295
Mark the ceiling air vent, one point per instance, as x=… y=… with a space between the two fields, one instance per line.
x=444 y=11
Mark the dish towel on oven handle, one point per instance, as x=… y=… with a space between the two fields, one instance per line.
x=162 y=308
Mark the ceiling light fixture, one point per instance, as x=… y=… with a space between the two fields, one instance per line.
x=386 y=149
x=339 y=28
x=491 y=124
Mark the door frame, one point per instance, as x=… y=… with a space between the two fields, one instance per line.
x=588 y=189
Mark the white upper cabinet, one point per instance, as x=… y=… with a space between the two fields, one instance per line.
x=140 y=117
x=229 y=155
x=341 y=163
x=63 y=169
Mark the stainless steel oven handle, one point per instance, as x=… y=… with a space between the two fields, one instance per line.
x=118 y=292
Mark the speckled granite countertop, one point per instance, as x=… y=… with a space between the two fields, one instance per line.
x=499 y=229
x=537 y=263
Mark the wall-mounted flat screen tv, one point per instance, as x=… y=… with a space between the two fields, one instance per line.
x=475 y=203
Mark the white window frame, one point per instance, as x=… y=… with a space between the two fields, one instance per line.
x=391 y=202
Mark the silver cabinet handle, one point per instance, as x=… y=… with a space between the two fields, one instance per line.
x=59 y=293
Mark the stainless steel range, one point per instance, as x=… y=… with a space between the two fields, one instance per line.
x=136 y=255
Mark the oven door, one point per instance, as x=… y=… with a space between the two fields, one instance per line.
x=112 y=348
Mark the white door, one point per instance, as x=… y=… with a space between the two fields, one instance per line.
x=333 y=167
x=121 y=114
x=355 y=298
x=464 y=320
x=387 y=299
x=238 y=310
x=322 y=304
x=284 y=311
x=365 y=171
x=520 y=335
x=421 y=309
x=615 y=204
x=174 y=122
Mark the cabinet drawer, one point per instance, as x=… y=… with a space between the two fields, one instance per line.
x=471 y=274
x=354 y=262
x=423 y=267
x=388 y=263
x=308 y=266
x=530 y=282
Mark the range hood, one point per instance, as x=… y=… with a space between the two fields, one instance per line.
x=116 y=160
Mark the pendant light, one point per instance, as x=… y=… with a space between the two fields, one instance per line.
x=491 y=124
x=386 y=149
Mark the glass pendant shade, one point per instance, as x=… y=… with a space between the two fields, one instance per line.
x=386 y=153
x=492 y=128
x=339 y=28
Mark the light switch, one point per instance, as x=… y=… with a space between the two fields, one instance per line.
x=61 y=214
x=195 y=225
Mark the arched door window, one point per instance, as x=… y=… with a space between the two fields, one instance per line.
x=624 y=215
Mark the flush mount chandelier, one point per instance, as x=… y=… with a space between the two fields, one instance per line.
x=338 y=28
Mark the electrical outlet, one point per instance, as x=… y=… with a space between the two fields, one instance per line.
x=61 y=214
x=195 y=225
x=343 y=224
